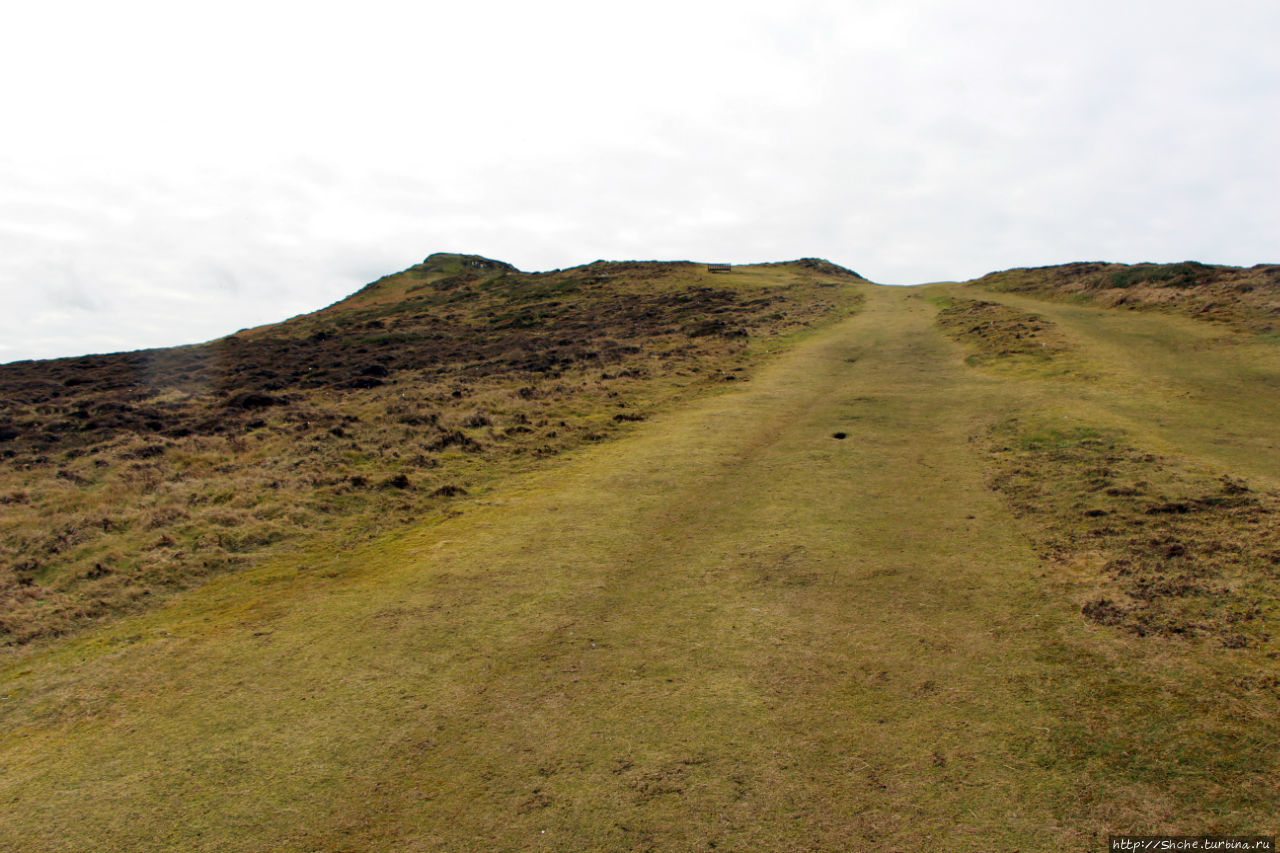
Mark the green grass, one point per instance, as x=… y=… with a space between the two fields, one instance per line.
x=1177 y=384
x=726 y=629
x=108 y=523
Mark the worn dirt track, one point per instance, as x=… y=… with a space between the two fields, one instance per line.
x=729 y=630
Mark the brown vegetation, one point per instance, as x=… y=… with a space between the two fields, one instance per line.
x=997 y=331
x=1154 y=548
x=128 y=474
x=1245 y=298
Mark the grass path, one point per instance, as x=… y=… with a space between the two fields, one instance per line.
x=1194 y=387
x=729 y=630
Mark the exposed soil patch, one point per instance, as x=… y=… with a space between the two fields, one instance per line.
x=1156 y=548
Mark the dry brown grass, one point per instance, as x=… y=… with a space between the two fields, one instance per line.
x=127 y=477
x=999 y=334
x=1244 y=298
x=1155 y=547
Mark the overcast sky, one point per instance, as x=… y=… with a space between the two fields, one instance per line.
x=171 y=172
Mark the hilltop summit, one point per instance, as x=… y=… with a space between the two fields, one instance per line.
x=452 y=262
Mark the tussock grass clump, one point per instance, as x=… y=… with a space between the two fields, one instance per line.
x=1174 y=571
x=1157 y=548
x=1000 y=335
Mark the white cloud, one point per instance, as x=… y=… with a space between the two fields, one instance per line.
x=178 y=172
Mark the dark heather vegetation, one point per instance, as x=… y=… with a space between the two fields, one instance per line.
x=1245 y=298
x=1152 y=547
x=1156 y=546
x=998 y=334
x=126 y=475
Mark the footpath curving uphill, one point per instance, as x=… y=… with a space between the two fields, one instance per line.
x=727 y=630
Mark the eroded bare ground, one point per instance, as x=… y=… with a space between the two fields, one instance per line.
x=130 y=474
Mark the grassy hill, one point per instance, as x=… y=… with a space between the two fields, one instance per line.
x=127 y=476
x=966 y=566
x=1245 y=298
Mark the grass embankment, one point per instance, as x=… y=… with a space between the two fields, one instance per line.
x=1238 y=297
x=1150 y=493
x=1181 y=386
x=727 y=630
x=125 y=477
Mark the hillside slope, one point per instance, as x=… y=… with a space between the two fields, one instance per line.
x=1244 y=298
x=912 y=587
x=124 y=477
